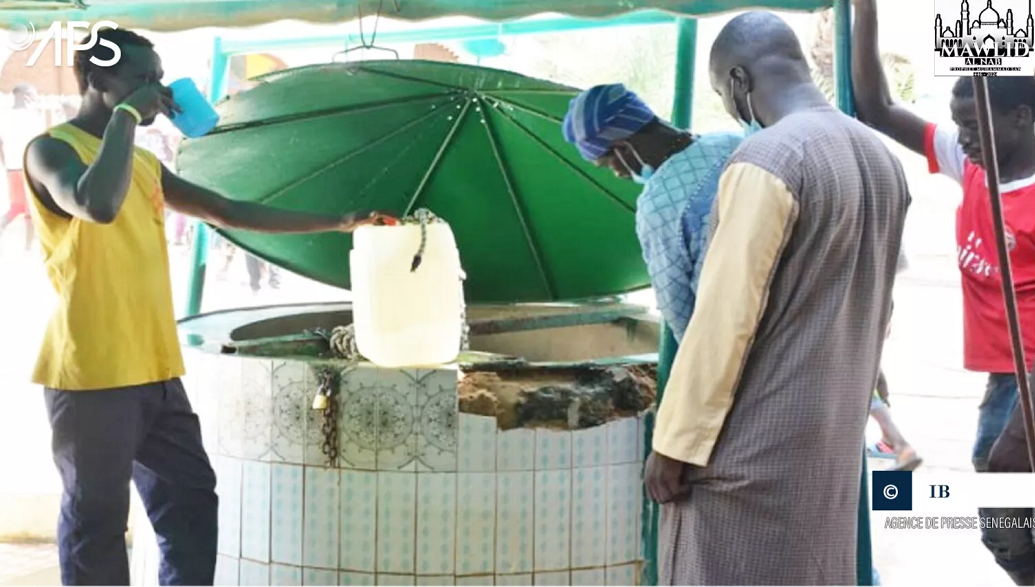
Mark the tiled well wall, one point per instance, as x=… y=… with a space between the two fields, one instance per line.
x=420 y=494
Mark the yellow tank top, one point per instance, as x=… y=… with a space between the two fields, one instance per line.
x=114 y=325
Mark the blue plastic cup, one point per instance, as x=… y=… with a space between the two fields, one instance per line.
x=197 y=117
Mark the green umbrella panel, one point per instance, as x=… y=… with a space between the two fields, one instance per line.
x=480 y=148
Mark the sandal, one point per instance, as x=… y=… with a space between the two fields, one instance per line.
x=880 y=450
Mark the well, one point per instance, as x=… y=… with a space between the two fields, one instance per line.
x=518 y=466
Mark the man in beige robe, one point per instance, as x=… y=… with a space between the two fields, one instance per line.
x=757 y=445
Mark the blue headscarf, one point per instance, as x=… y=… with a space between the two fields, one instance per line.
x=600 y=116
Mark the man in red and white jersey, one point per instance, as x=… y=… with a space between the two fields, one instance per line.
x=955 y=151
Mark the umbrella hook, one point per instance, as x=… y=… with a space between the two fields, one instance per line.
x=363 y=44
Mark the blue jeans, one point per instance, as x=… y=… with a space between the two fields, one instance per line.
x=1013 y=548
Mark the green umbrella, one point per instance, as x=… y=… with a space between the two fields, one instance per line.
x=481 y=148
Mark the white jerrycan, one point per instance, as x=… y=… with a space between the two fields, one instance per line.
x=406 y=318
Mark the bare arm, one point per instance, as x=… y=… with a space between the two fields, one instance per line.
x=92 y=192
x=873 y=101
x=212 y=208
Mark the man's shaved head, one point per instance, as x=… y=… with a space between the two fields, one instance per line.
x=755 y=36
x=753 y=50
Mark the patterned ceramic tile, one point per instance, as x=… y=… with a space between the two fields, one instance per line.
x=396 y=579
x=255 y=512
x=359 y=579
x=231 y=401
x=590 y=447
x=589 y=518
x=623 y=513
x=622 y=443
x=257 y=401
x=552 y=520
x=476 y=580
x=227 y=570
x=290 y=406
x=319 y=577
x=397 y=423
x=228 y=487
x=621 y=575
x=555 y=578
x=396 y=531
x=476 y=523
x=358 y=521
x=191 y=361
x=515 y=450
x=284 y=575
x=286 y=520
x=514 y=522
x=477 y=446
x=322 y=509
x=206 y=404
x=437 y=414
x=641 y=436
x=588 y=577
x=357 y=431
x=521 y=579
x=552 y=450
x=436 y=523
x=316 y=420
x=253 y=574
x=436 y=581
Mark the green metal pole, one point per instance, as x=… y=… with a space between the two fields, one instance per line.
x=682 y=114
x=846 y=102
x=199 y=251
x=451 y=33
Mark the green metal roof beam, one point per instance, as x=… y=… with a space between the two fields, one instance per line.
x=178 y=15
x=452 y=33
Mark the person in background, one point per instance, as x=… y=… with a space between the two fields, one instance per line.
x=256 y=267
x=110 y=359
x=893 y=444
x=756 y=451
x=21 y=126
x=955 y=151
x=611 y=127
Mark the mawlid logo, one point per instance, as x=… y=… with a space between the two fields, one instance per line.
x=21 y=37
x=996 y=39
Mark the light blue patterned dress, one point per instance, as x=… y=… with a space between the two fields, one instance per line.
x=673 y=216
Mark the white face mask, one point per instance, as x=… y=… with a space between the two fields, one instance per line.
x=750 y=126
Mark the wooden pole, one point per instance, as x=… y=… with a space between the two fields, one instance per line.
x=987 y=133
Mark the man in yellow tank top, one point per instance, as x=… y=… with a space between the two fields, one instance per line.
x=110 y=360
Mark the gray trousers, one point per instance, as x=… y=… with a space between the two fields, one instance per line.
x=148 y=434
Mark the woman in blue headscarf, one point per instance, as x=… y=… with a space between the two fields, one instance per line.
x=612 y=127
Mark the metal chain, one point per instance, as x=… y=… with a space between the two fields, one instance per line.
x=423 y=217
x=326 y=401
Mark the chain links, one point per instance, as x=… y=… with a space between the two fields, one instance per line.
x=326 y=401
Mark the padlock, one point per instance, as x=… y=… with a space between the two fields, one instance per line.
x=320 y=402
